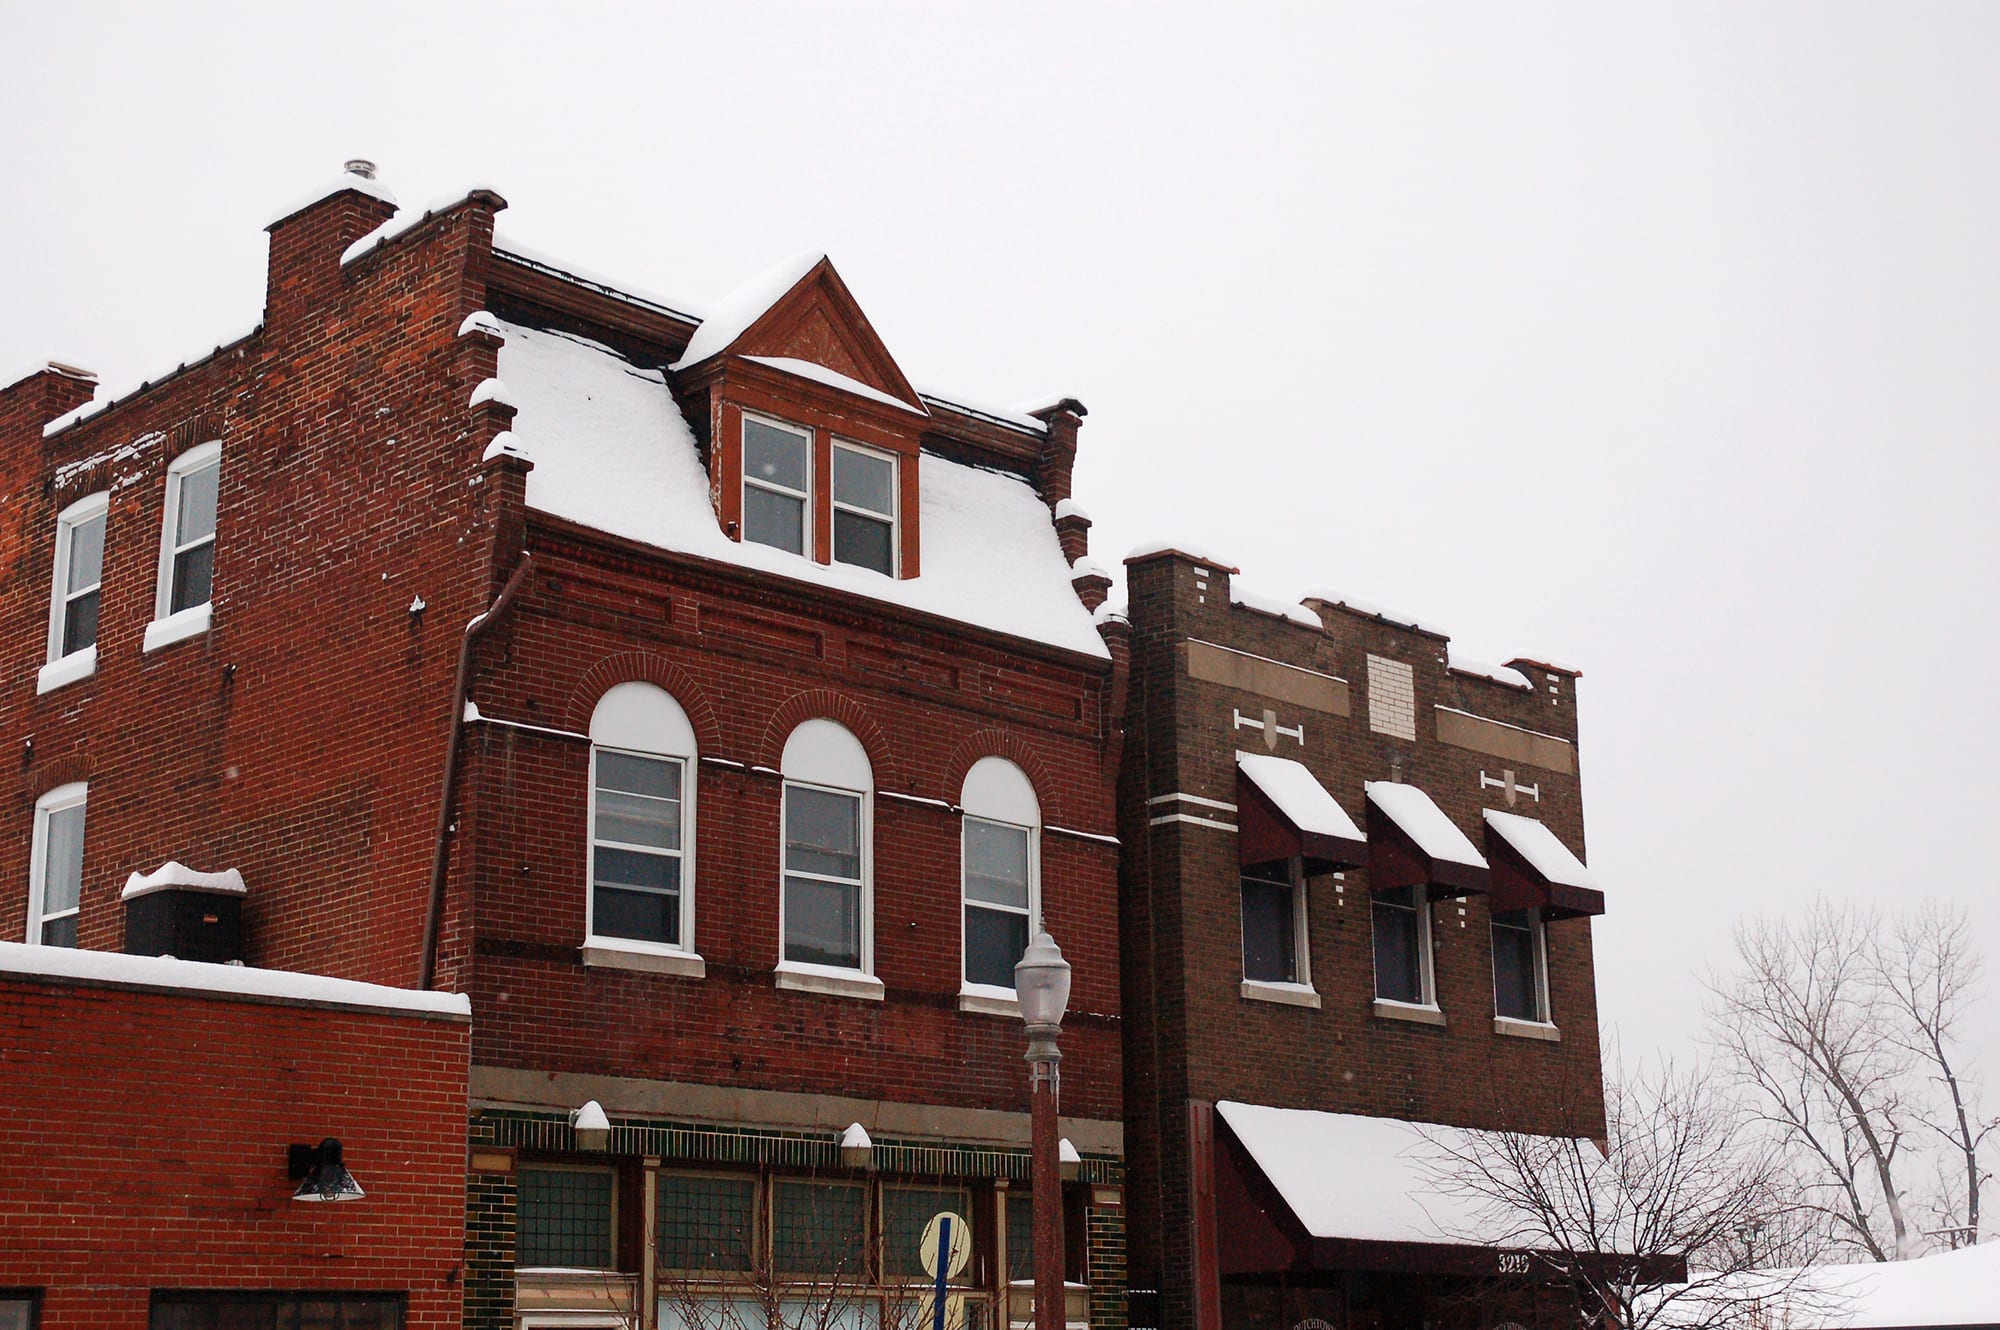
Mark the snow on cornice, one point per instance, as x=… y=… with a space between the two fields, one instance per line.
x=806 y=369
x=340 y=184
x=116 y=969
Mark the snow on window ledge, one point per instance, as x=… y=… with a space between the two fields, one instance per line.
x=621 y=953
x=989 y=1000
x=1419 y=1013
x=799 y=977
x=1516 y=1029
x=1292 y=995
x=190 y=622
x=76 y=665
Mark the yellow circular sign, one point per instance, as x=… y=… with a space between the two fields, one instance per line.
x=961 y=1244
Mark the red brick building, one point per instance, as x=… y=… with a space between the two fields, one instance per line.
x=713 y=708
x=1354 y=900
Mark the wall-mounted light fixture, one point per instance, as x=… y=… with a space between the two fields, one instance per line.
x=320 y=1173
x=856 y=1149
x=593 y=1129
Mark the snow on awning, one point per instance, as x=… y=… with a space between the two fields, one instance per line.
x=1299 y=1187
x=1533 y=869
x=1282 y=810
x=1412 y=842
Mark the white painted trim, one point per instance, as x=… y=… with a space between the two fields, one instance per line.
x=1427 y=971
x=1180 y=797
x=194 y=459
x=1291 y=995
x=744 y=418
x=989 y=1001
x=1538 y=931
x=190 y=622
x=1514 y=1029
x=1034 y=834
x=76 y=665
x=1418 y=1013
x=801 y=977
x=1097 y=836
x=628 y=954
x=478 y=717
x=1505 y=725
x=1193 y=820
x=686 y=855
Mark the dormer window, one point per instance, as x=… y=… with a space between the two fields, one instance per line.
x=777 y=484
x=864 y=508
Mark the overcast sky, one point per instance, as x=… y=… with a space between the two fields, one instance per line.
x=1660 y=340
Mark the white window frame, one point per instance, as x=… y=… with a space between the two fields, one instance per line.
x=894 y=516
x=1003 y=993
x=643 y=720
x=63 y=797
x=1299 y=991
x=67 y=521
x=169 y=625
x=1420 y=894
x=997 y=791
x=824 y=755
x=743 y=468
x=1538 y=929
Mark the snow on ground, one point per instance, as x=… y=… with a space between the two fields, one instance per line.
x=1298 y=795
x=114 y=967
x=612 y=451
x=1540 y=847
x=1424 y=822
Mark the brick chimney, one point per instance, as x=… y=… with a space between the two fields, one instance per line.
x=308 y=238
x=1052 y=470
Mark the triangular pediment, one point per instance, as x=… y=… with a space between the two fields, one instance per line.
x=815 y=319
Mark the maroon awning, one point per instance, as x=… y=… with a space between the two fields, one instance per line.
x=1282 y=810
x=1412 y=843
x=1532 y=869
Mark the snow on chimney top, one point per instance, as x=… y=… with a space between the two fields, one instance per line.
x=360 y=166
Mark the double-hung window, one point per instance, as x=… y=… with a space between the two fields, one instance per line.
x=1000 y=852
x=1273 y=924
x=641 y=821
x=55 y=883
x=1520 y=966
x=777 y=484
x=79 y=576
x=825 y=907
x=187 y=547
x=1401 y=918
x=864 y=508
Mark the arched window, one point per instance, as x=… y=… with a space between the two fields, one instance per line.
x=642 y=754
x=1001 y=878
x=827 y=911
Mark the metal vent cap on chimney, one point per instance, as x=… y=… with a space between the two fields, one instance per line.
x=360 y=166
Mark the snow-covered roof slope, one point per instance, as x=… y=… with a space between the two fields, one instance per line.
x=1376 y=1179
x=115 y=967
x=1424 y=822
x=612 y=451
x=742 y=307
x=1298 y=795
x=832 y=378
x=1533 y=841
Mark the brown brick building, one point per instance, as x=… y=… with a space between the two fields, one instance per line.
x=1352 y=900
x=714 y=709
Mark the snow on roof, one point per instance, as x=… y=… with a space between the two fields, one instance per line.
x=1396 y=617
x=29 y=370
x=508 y=247
x=341 y=183
x=1954 y=1288
x=1533 y=841
x=108 y=397
x=806 y=369
x=742 y=307
x=1272 y=605
x=1424 y=822
x=1085 y=566
x=114 y=967
x=612 y=451
x=173 y=873
x=1192 y=551
x=1464 y=664
x=1375 y=1179
x=1070 y=508
x=998 y=414
x=405 y=220
x=1299 y=795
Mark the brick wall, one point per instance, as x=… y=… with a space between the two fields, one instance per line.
x=143 y=1146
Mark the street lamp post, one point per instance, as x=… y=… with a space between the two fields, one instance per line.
x=1041 y=982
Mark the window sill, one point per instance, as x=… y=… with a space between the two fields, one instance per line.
x=76 y=665
x=989 y=1000
x=190 y=622
x=612 y=953
x=798 y=977
x=1416 y=1013
x=1514 y=1029
x=1290 y=995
